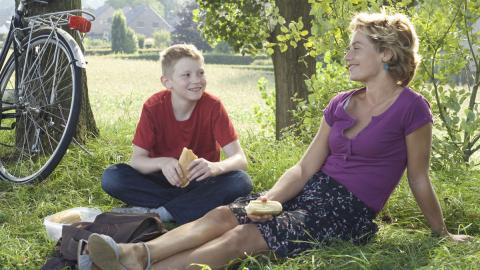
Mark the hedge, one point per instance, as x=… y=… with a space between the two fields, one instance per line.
x=210 y=58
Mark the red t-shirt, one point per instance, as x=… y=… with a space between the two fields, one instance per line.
x=207 y=130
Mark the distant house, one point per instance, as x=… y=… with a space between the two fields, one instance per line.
x=141 y=18
x=102 y=25
x=144 y=20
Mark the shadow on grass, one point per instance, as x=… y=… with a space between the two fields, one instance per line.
x=393 y=248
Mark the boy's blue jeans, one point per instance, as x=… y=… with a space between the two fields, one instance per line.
x=184 y=204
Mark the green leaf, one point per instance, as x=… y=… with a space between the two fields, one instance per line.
x=292 y=26
x=284 y=29
x=304 y=33
x=300 y=23
x=195 y=13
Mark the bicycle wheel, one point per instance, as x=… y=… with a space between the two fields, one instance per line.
x=40 y=115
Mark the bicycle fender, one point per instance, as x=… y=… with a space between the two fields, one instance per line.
x=77 y=52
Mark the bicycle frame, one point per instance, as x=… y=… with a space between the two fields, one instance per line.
x=20 y=23
x=41 y=67
x=27 y=25
x=17 y=22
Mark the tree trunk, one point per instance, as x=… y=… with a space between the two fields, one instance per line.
x=86 y=123
x=292 y=67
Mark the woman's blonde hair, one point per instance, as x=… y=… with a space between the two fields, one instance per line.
x=170 y=56
x=396 y=33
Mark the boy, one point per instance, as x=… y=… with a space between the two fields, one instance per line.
x=182 y=115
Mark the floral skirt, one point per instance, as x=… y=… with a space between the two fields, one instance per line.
x=323 y=211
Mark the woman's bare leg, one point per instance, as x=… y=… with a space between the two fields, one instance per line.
x=235 y=243
x=188 y=236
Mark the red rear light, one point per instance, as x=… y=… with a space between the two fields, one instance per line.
x=79 y=23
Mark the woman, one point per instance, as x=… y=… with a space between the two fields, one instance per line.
x=365 y=141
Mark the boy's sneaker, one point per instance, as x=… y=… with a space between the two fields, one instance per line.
x=133 y=210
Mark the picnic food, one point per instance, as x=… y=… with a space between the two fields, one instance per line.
x=66 y=217
x=184 y=160
x=257 y=207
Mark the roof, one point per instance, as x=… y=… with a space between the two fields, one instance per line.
x=102 y=9
x=136 y=11
x=141 y=18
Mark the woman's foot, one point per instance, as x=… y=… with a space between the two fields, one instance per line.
x=104 y=252
x=84 y=262
x=108 y=255
x=135 y=256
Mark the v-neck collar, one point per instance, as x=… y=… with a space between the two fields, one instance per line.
x=374 y=117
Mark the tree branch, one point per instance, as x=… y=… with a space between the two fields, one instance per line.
x=473 y=94
x=441 y=110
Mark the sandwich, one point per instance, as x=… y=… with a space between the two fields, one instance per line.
x=66 y=217
x=257 y=207
x=184 y=161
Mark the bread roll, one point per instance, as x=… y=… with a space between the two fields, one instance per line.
x=184 y=160
x=66 y=217
x=257 y=207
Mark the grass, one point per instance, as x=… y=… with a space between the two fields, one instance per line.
x=117 y=90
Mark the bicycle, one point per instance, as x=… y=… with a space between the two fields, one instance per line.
x=40 y=91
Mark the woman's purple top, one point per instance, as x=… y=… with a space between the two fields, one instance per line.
x=371 y=164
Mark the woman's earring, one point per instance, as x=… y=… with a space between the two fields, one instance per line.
x=386 y=66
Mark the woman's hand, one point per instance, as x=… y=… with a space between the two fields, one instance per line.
x=459 y=238
x=201 y=168
x=261 y=218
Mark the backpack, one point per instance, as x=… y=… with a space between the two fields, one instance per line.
x=123 y=228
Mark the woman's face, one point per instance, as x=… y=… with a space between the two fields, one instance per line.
x=363 y=60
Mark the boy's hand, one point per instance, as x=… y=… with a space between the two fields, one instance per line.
x=201 y=168
x=172 y=171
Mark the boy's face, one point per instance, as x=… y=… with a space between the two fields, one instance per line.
x=187 y=81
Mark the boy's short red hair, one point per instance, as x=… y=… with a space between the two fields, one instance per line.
x=170 y=56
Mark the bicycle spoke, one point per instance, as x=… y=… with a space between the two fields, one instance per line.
x=45 y=131
x=49 y=80
x=28 y=151
x=46 y=96
x=40 y=111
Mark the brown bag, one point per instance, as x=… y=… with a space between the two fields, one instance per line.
x=123 y=228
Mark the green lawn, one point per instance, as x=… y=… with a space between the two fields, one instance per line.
x=118 y=88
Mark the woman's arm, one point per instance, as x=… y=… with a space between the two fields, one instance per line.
x=418 y=156
x=293 y=180
x=235 y=159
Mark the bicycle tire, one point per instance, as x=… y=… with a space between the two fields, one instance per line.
x=47 y=106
